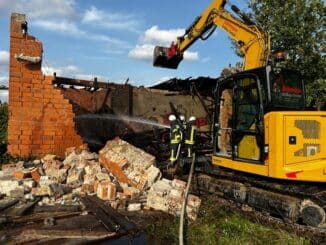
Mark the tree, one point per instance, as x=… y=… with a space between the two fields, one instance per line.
x=3 y=127
x=298 y=28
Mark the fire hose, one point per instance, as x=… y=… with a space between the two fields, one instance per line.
x=185 y=197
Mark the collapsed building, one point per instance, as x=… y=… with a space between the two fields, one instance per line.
x=48 y=114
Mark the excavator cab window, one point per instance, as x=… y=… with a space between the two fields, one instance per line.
x=238 y=123
x=287 y=90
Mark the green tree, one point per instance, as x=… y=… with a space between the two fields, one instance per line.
x=298 y=28
x=3 y=127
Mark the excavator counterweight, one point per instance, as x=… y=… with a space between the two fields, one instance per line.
x=162 y=59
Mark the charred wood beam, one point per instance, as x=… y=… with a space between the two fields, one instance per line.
x=84 y=83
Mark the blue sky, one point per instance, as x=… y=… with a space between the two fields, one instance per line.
x=114 y=39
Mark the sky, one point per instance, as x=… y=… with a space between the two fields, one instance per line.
x=113 y=40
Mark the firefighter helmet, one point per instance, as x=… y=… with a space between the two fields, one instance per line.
x=192 y=118
x=182 y=117
x=172 y=117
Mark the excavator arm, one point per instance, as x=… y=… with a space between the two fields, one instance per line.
x=252 y=41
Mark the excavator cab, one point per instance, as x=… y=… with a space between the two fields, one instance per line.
x=166 y=57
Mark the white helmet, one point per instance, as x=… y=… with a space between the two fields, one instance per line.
x=172 y=117
x=192 y=118
x=182 y=117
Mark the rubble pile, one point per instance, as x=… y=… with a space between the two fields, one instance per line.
x=122 y=175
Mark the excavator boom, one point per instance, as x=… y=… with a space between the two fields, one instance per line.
x=252 y=41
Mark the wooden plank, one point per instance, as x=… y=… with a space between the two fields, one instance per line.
x=41 y=216
x=106 y=220
x=123 y=221
x=4 y=204
x=37 y=234
x=56 y=208
x=22 y=208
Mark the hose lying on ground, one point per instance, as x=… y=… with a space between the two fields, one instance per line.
x=185 y=197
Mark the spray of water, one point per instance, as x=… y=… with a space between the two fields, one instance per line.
x=123 y=118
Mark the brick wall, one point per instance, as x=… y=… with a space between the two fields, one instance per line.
x=41 y=120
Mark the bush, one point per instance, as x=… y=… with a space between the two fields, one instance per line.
x=3 y=127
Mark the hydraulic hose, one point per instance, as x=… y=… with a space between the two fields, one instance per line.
x=185 y=197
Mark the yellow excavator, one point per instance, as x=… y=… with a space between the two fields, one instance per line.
x=260 y=125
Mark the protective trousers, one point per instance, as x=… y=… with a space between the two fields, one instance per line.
x=190 y=136
x=175 y=141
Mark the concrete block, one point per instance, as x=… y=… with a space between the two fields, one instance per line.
x=103 y=176
x=157 y=202
x=87 y=189
x=46 y=181
x=58 y=190
x=18 y=192
x=176 y=193
x=122 y=196
x=176 y=183
x=153 y=174
x=75 y=177
x=162 y=187
x=174 y=205
x=37 y=162
x=93 y=168
x=89 y=179
x=49 y=158
x=193 y=201
x=131 y=192
x=134 y=207
x=57 y=175
x=29 y=183
x=41 y=191
x=7 y=184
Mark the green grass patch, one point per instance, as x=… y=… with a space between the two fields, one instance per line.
x=215 y=225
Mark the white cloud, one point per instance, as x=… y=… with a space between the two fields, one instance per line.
x=70 y=71
x=191 y=56
x=62 y=26
x=4 y=80
x=156 y=36
x=111 y=20
x=60 y=71
x=4 y=57
x=41 y=8
x=145 y=52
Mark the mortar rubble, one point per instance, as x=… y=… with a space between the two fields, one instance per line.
x=121 y=174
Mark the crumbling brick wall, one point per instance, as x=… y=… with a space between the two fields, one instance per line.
x=41 y=120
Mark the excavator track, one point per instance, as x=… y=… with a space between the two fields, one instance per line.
x=296 y=204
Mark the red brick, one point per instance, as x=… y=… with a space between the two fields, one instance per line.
x=19 y=174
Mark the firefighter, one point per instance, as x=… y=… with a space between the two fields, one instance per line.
x=190 y=135
x=175 y=138
x=184 y=124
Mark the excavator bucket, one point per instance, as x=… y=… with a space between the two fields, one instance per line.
x=162 y=59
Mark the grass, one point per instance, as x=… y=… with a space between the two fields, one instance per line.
x=215 y=225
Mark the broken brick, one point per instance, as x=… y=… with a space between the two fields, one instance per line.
x=41 y=191
x=106 y=190
x=75 y=177
x=132 y=192
x=21 y=174
x=35 y=174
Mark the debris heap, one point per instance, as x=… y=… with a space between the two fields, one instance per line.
x=122 y=175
